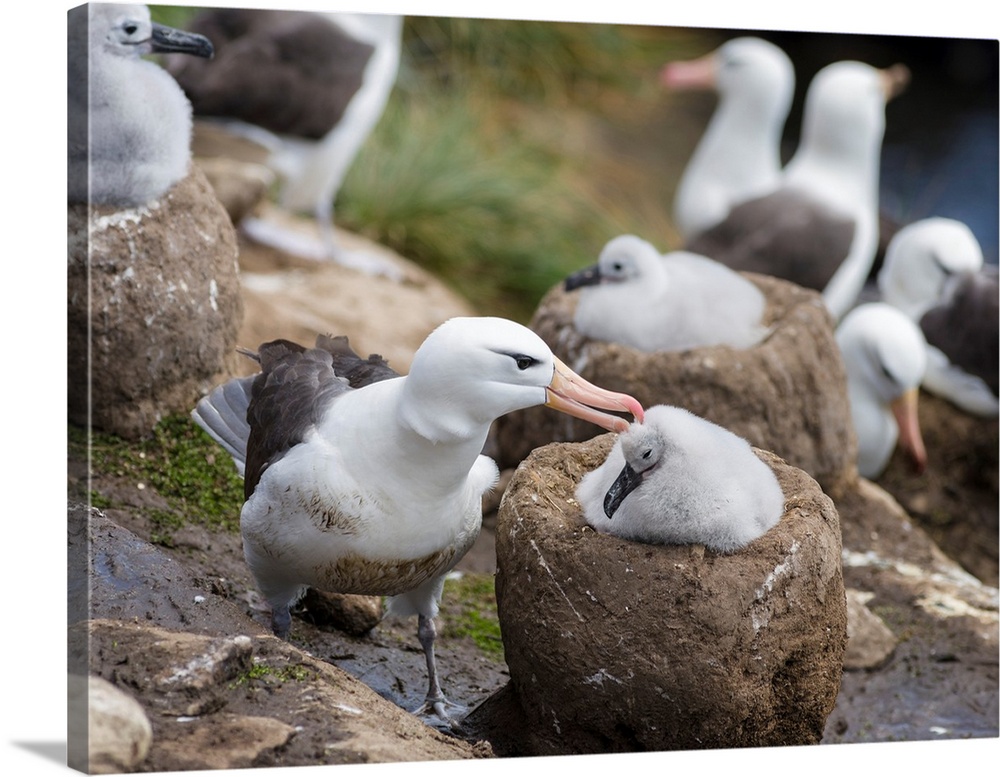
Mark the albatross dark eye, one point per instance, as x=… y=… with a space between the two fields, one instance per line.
x=647 y=454
x=523 y=362
x=130 y=28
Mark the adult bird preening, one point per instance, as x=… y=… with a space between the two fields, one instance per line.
x=358 y=480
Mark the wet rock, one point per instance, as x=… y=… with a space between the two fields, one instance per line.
x=786 y=394
x=620 y=646
x=153 y=307
x=109 y=732
x=114 y=574
x=869 y=641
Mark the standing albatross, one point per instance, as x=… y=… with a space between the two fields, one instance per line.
x=129 y=122
x=885 y=358
x=309 y=87
x=361 y=481
x=819 y=228
x=739 y=154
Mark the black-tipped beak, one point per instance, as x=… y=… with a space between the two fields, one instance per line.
x=589 y=276
x=625 y=484
x=167 y=39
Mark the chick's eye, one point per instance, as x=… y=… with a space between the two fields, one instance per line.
x=617 y=267
x=647 y=454
x=524 y=362
x=130 y=28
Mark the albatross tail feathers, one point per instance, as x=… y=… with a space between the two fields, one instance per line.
x=223 y=414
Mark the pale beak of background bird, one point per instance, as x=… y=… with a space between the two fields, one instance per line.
x=624 y=484
x=894 y=79
x=904 y=409
x=693 y=74
x=571 y=394
x=167 y=39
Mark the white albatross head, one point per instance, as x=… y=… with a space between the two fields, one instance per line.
x=921 y=259
x=844 y=112
x=470 y=371
x=756 y=73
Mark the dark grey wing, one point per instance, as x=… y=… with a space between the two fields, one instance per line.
x=290 y=72
x=293 y=391
x=966 y=327
x=347 y=364
x=784 y=234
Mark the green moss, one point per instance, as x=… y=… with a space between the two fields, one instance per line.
x=262 y=673
x=181 y=463
x=470 y=609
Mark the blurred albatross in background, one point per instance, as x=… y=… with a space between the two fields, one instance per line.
x=739 y=154
x=310 y=88
x=819 y=228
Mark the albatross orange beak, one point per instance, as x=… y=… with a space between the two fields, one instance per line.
x=904 y=408
x=568 y=393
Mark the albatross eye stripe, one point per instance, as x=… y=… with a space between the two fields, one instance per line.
x=523 y=361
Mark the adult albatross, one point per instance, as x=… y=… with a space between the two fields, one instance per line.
x=739 y=154
x=819 y=228
x=358 y=480
x=934 y=273
x=129 y=122
x=310 y=87
x=885 y=358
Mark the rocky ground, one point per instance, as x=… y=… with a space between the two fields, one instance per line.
x=921 y=665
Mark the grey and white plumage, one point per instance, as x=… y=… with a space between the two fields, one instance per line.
x=934 y=272
x=308 y=86
x=652 y=302
x=739 y=155
x=678 y=479
x=361 y=481
x=885 y=356
x=129 y=121
x=819 y=228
